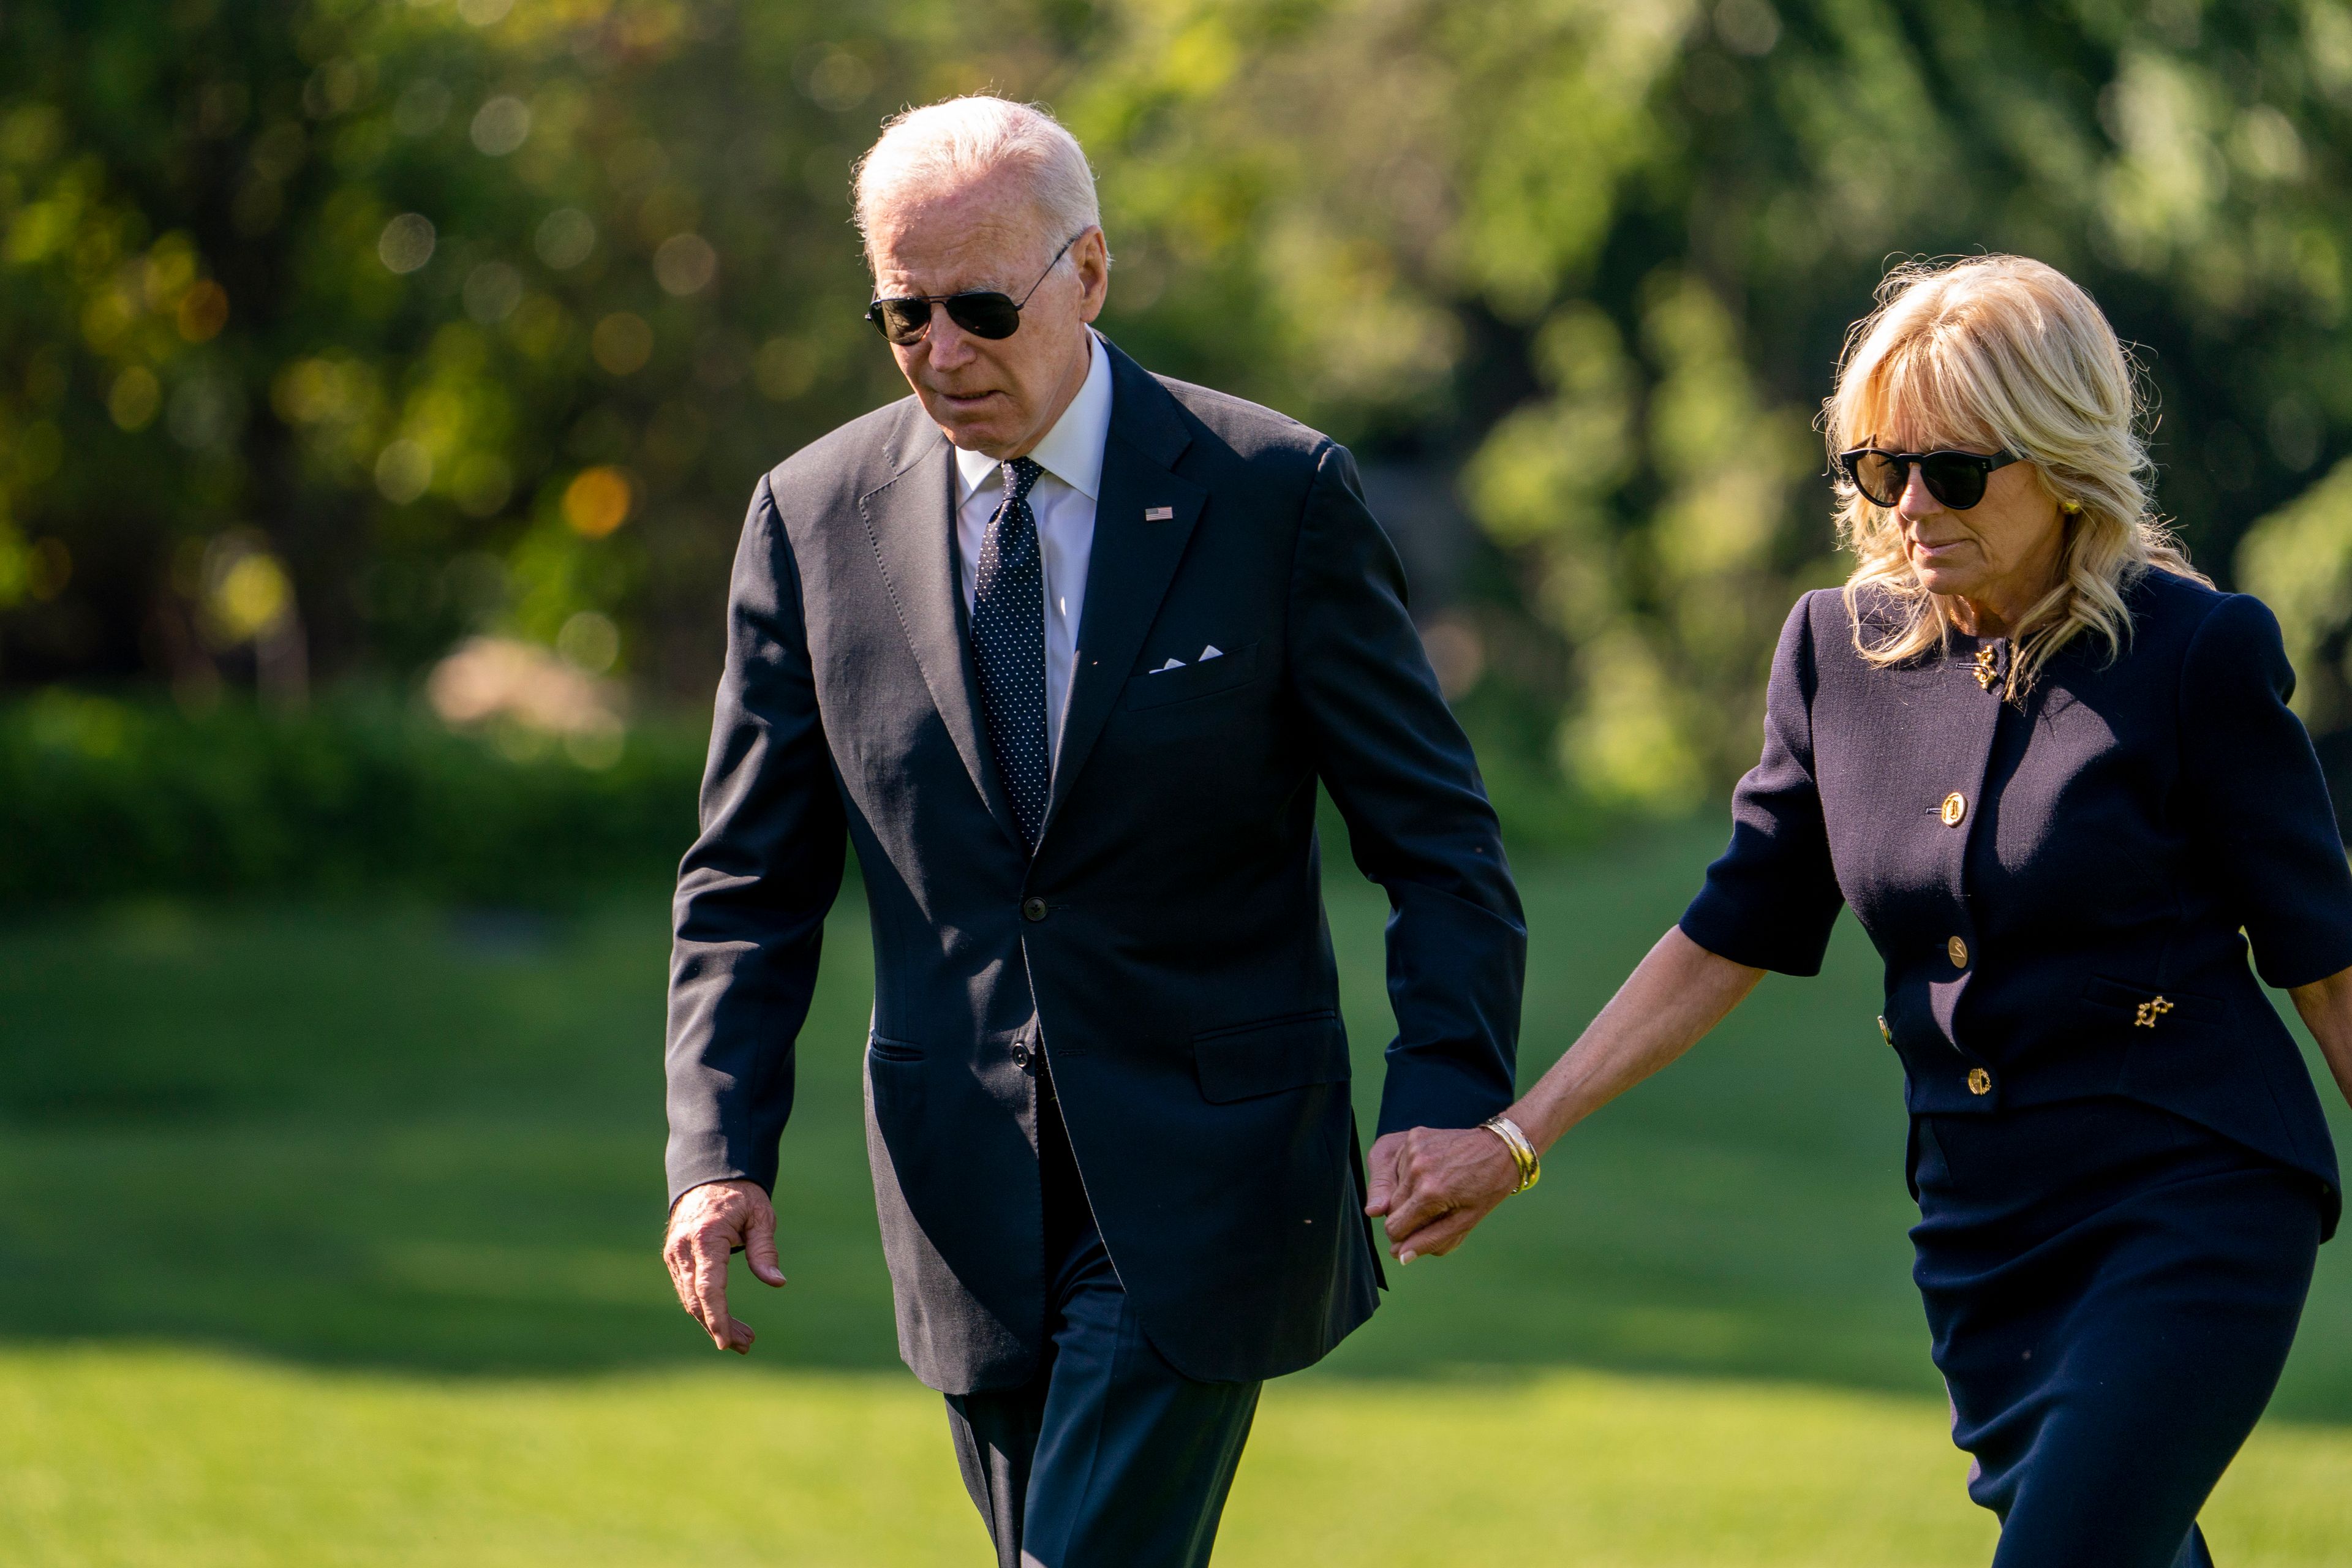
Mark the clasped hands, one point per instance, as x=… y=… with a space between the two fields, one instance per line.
x=1431 y=1186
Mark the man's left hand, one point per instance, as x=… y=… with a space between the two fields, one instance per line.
x=1432 y=1186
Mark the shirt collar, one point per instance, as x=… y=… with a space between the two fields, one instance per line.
x=1072 y=451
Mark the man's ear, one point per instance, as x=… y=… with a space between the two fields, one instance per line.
x=1092 y=254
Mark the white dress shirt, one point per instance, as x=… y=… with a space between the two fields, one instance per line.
x=1064 y=501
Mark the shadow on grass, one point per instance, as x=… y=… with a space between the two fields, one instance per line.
x=404 y=1138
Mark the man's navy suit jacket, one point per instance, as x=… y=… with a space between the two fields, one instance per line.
x=1165 y=948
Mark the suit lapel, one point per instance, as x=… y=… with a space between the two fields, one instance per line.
x=910 y=519
x=1135 y=555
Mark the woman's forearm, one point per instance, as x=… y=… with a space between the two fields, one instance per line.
x=2327 y=1009
x=1433 y=1185
x=1672 y=999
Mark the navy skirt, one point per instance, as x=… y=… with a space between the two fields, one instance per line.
x=2113 y=1292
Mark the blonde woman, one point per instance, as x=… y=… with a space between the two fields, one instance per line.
x=2053 y=772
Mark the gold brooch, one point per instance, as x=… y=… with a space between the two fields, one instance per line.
x=1986 y=676
x=2149 y=1012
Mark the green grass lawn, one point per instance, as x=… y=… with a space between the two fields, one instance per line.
x=327 y=1235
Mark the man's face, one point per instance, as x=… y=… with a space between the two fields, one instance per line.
x=999 y=396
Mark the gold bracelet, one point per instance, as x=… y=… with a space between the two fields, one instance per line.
x=1523 y=1152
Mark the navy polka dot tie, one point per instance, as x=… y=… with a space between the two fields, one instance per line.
x=1008 y=645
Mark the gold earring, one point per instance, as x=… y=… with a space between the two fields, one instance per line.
x=2071 y=508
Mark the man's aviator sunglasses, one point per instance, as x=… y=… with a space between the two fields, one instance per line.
x=1955 y=478
x=982 y=313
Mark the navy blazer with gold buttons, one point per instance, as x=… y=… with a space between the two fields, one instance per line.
x=2063 y=887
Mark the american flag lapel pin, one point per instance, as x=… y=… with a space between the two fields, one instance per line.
x=1159 y=513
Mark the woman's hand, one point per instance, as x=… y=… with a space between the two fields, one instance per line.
x=1432 y=1186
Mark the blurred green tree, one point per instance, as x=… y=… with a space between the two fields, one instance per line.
x=334 y=331
x=1603 y=257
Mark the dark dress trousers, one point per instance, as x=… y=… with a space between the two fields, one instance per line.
x=2121 y=1167
x=1162 y=958
x=1107 y=1455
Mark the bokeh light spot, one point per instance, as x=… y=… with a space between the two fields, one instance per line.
x=203 y=311
x=540 y=327
x=566 y=237
x=492 y=291
x=206 y=413
x=622 y=342
x=48 y=567
x=1748 y=26
x=685 y=264
x=591 y=641
x=597 y=501
x=836 y=79
x=526 y=694
x=134 y=398
x=250 y=596
x=407 y=242
x=783 y=369
x=420 y=108
x=483 y=482
x=501 y=125
x=402 y=470
x=596 y=746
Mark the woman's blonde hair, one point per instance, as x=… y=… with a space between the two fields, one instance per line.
x=2008 y=350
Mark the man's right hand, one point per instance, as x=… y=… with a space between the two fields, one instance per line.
x=706 y=1227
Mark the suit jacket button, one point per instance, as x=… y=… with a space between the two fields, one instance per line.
x=1955 y=806
x=1033 y=909
x=1955 y=949
x=1021 y=1056
x=1980 y=1081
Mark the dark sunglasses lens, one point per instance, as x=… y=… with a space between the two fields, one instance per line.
x=1958 y=482
x=1877 y=476
x=985 y=315
x=901 y=321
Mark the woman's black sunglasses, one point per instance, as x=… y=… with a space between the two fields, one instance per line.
x=982 y=313
x=1955 y=478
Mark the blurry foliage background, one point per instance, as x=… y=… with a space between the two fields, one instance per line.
x=338 y=335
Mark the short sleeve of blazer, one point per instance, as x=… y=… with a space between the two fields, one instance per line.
x=2257 y=799
x=1771 y=898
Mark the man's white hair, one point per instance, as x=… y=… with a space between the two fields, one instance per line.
x=926 y=149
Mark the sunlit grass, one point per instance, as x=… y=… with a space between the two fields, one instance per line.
x=327 y=1237
x=130 y=1457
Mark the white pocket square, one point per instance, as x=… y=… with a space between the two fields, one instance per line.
x=1172 y=664
x=1210 y=652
